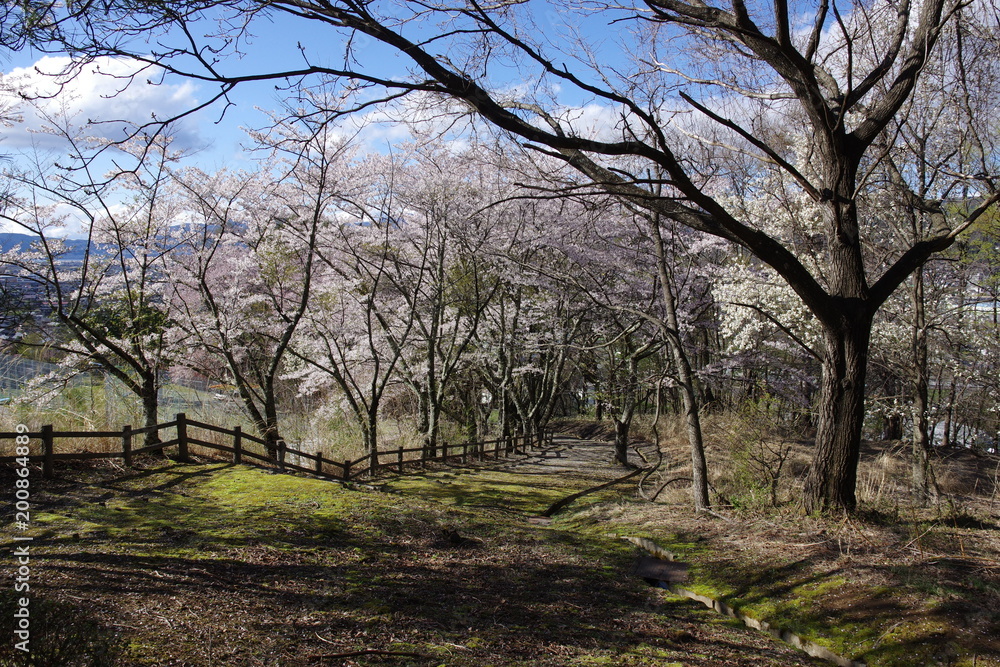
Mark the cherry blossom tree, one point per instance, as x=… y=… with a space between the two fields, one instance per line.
x=111 y=301
x=448 y=226
x=358 y=326
x=622 y=347
x=245 y=278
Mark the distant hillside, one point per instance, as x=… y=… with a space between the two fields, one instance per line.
x=10 y=241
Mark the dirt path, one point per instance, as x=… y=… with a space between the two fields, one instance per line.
x=527 y=484
x=585 y=459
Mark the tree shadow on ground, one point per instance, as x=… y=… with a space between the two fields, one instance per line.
x=239 y=567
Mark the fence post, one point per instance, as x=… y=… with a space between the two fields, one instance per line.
x=182 y=438
x=281 y=455
x=399 y=459
x=319 y=461
x=47 y=451
x=347 y=470
x=238 y=444
x=444 y=452
x=465 y=453
x=127 y=444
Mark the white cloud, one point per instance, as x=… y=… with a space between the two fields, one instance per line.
x=106 y=96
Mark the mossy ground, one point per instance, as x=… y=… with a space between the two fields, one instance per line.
x=847 y=585
x=216 y=564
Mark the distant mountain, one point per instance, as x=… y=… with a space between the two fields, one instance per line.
x=76 y=248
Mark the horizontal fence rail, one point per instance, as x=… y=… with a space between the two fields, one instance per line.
x=187 y=432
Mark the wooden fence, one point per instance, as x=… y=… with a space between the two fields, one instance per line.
x=187 y=431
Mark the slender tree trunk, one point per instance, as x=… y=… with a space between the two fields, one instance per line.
x=433 y=432
x=369 y=435
x=482 y=410
x=949 y=412
x=424 y=426
x=506 y=413
x=832 y=477
x=270 y=423
x=685 y=376
x=692 y=423
x=921 y=430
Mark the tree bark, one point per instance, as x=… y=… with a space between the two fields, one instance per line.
x=832 y=476
x=692 y=422
x=622 y=428
x=369 y=435
x=271 y=434
x=947 y=440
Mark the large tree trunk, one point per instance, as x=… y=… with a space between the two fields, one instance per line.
x=832 y=477
x=150 y=408
x=623 y=425
x=846 y=317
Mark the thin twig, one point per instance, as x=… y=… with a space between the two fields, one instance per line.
x=361 y=652
x=666 y=484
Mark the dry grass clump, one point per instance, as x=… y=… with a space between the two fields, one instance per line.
x=754 y=465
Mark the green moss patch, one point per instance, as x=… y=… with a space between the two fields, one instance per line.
x=882 y=625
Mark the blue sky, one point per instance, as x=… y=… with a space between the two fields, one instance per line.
x=214 y=137
x=217 y=137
